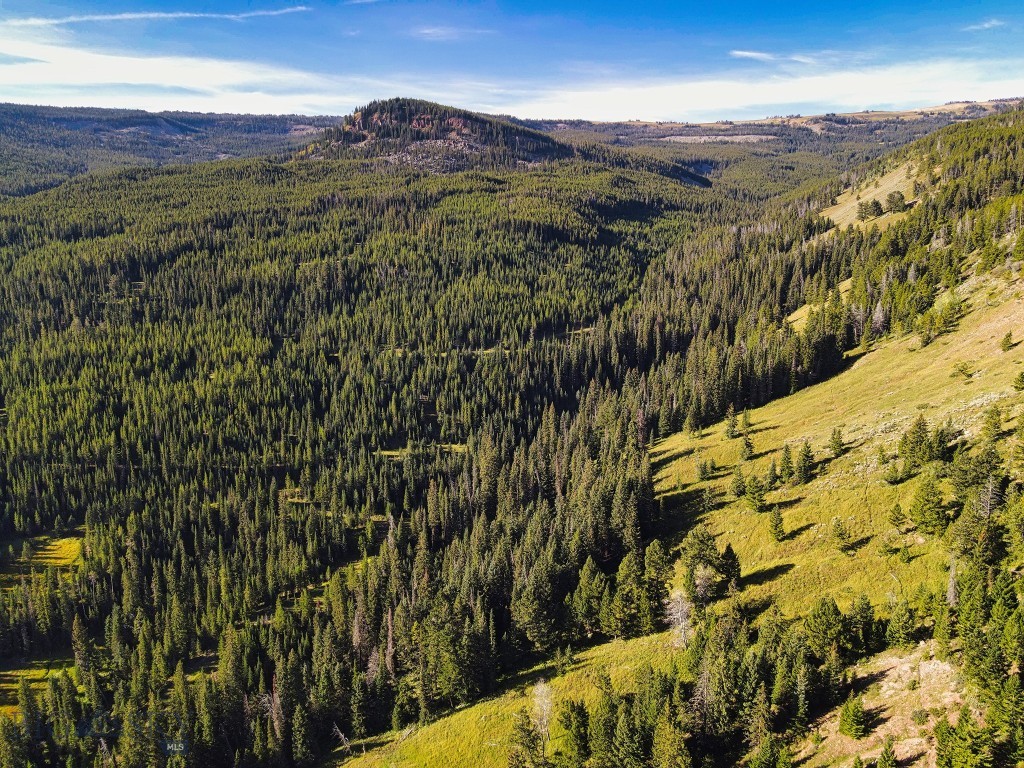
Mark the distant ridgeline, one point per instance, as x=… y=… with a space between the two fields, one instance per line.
x=41 y=147
x=438 y=138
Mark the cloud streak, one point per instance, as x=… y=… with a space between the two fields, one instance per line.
x=446 y=34
x=985 y=25
x=769 y=57
x=63 y=21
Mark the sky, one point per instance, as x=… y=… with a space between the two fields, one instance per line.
x=597 y=60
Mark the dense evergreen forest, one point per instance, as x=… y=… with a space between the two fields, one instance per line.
x=349 y=439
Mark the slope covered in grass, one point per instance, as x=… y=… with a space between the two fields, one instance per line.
x=872 y=402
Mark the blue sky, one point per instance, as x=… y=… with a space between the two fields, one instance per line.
x=596 y=60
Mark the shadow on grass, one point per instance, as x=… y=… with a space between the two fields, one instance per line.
x=787 y=503
x=790 y=535
x=765 y=575
x=857 y=544
x=661 y=460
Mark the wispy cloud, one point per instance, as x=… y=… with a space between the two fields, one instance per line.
x=799 y=58
x=755 y=55
x=984 y=25
x=447 y=34
x=61 y=21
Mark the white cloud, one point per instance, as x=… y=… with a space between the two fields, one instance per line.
x=984 y=25
x=62 y=21
x=447 y=34
x=898 y=86
x=756 y=55
x=799 y=58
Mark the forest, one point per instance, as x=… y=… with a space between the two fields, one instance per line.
x=352 y=433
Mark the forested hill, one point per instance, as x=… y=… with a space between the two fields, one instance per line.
x=439 y=138
x=41 y=147
x=303 y=451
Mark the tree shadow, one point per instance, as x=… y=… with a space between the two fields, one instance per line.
x=861 y=683
x=786 y=503
x=857 y=544
x=765 y=575
x=752 y=608
x=790 y=535
x=662 y=460
x=911 y=759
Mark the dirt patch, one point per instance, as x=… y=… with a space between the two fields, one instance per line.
x=904 y=694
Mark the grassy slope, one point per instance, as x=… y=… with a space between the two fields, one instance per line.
x=478 y=736
x=844 y=212
x=873 y=402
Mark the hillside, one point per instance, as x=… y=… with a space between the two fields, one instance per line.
x=325 y=447
x=872 y=402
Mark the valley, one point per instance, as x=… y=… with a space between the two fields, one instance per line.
x=434 y=438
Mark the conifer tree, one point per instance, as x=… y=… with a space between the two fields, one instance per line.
x=746 y=448
x=836 y=445
x=852 y=718
x=900 y=629
x=927 y=510
x=887 y=759
x=803 y=472
x=775 y=524
x=731 y=422
x=786 y=464
x=754 y=492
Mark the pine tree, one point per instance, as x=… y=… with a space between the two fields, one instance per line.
x=668 y=748
x=836 y=445
x=80 y=646
x=786 y=464
x=887 y=759
x=804 y=470
x=824 y=627
x=746 y=448
x=1006 y=343
x=730 y=565
x=767 y=753
x=901 y=625
x=303 y=747
x=852 y=718
x=626 y=746
x=731 y=430
x=775 y=524
x=575 y=721
x=840 y=535
x=927 y=510
x=754 y=494
x=897 y=517
x=738 y=486
x=527 y=750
